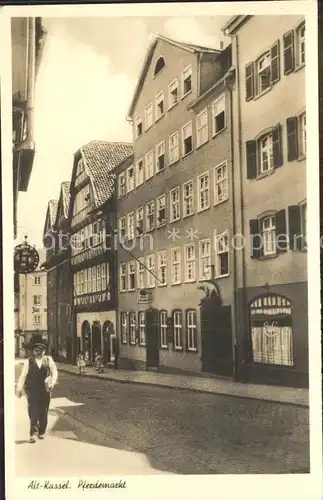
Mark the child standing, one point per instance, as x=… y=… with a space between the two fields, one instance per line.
x=99 y=362
x=81 y=363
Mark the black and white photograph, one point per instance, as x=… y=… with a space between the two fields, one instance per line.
x=161 y=250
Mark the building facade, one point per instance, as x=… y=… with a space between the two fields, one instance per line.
x=174 y=202
x=270 y=186
x=91 y=220
x=59 y=291
x=32 y=317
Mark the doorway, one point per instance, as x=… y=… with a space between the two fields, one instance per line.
x=96 y=339
x=152 y=340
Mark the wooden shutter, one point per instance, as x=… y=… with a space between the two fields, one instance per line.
x=294 y=220
x=289 y=57
x=249 y=81
x=281 y=232
x=292 y=138
x=275 y=62
x=277 y=147
x=251 y=150
x=255 y=238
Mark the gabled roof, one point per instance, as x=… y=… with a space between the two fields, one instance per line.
x=234 y=23
x=100 y=159
x=50 y=214
x=63 y=201
x=189 y=47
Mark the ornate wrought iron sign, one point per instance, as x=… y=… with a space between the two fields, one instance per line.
x=26 y=258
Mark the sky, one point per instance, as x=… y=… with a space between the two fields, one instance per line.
x=84 y=87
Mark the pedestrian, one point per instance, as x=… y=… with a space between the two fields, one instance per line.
x=38 y=378
x=81 y=363
x=98 y=362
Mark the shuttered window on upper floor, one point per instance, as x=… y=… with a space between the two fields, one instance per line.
x=263 y=73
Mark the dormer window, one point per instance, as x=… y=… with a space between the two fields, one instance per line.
x=160 y=64
x=186 y=81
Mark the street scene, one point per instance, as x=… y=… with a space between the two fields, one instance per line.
x=160 y=245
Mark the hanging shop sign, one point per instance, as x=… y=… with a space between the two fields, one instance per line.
x=26 y=258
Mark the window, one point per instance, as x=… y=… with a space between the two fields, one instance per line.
x=131 y=226
x=205 y=259
x=122 y=229
x=271 y=330
x=89 y=282
x=203 y=197
x=124 y=327
x=187 y=138
x=142 y=327
x=122 y=184
x=176 y=266
x=190 y=262
x=174 y=148
x=163 y=329
x=173 y=94
x=94 y=279
x=37 y=319
x=81 y=282
x=188 y=199
x=103 y=277
x=296 y=137
x=149 y=164
x=138 y=122
x=37 y=280
x=186 y=81
x=178 y=330
x=160 y=64
x=162 y=268
x=161 y=210
x=140 y=274
x=123 y=283
x=262 y=74
x=221 y=192
x=149 y=116
x=131 y=275
x=218 y=115
x=150 y=216
x=264 y=154
x=98 y=278
x=297 y=225
x=85 y=281
x=174 y=204
x=294 y=49
x=268 y=232
x=37 y=300
x=140 y=220
x=130 y=179
x=160 y=156
x=222 y=255
x=150 y=271
x=191 y=330
x=202 y=133
x=132 y=327
x=159 y=105
x=140 y=172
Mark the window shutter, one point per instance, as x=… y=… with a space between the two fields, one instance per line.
x=292 y=138
x=289 y=62
x=249 y=81
x=277 y=147
x=275 y=62
x=281 y=232
x=255 y=239
x=251 y=149
x=294 y=219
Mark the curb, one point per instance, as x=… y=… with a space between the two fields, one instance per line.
x=190 y=389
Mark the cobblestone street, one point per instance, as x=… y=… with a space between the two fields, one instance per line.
x=184 y=432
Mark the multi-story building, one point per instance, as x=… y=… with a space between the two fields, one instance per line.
x=270 y=185
x=27 y=36
x=175 y=214
x=59 y=288
x=91 y=219
x=32 y=308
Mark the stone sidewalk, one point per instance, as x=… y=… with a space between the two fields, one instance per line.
x=213 y=385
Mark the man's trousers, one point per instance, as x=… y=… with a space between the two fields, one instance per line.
x=38 y=405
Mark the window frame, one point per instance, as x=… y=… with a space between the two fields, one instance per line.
x=170 y=104
x=148 y=106
x=142 y=325
x=223 y=180
x=178 y=203
x=170 y=149
x=161 y=145
x=189 y=327
x=217 y=269
x=149 y=174
x=151 y=281
x=138 y=220
x=187 y=69
x=200 y=142
x=298 y=41
x=160 y=224
x=164 y=254
x=122 y=224
x=160 y=97
x=184 y=154
x=131 y=167
x=137 y=122
x=178 y=326
x=131 y=264
x=147 y=215
x=131 y=228
x=184 y=198
x=121 y=176
x=163 y=329
x=187 y=261
x=202 y=276
x=124 y=327
x=270 y=230
x=199 y=177
x=215 y=103
x=132 y=328
x=178 y=263
x=140 y=180
x=141 y=273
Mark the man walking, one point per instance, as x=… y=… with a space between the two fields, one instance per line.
x=37 y=380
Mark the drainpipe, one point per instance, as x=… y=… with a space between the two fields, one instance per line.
x=233 y=206
x=242 y=224
x=28 y=143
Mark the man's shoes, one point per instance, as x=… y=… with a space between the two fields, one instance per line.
x=32 y=439
x=41 y=436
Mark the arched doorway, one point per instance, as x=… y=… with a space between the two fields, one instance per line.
x=109 y=342
x=86 y=340
x=96 y=338
x=271 y=330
